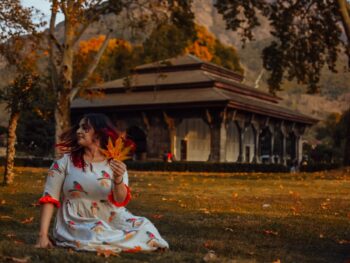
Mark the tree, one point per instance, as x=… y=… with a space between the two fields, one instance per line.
x=15 y=20
x=308 y=36
x=19 y=96
x=78 y=16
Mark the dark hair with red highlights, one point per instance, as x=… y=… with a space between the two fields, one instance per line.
x=103 y=128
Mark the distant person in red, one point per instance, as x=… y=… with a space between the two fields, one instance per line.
x=169 y=157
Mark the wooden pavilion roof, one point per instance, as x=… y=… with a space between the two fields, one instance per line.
x=185 y=82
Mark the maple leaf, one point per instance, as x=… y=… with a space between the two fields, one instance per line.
x=117 y=151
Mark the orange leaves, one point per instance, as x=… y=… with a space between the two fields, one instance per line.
x=117 y=151
x=204 y=46
x=106 y=252
x=27 y=220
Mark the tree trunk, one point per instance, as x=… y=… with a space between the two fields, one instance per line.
x=345 y=16
x=64 y=87
x=346 y=160
x=11 y=150
x=62 y=114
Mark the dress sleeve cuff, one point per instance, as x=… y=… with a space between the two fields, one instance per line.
x=49 y=199
x=125 y=202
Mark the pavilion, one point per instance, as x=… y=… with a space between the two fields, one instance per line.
x=200 y=112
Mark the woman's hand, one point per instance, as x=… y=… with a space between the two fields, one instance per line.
x=118 y=169
x=44 y=242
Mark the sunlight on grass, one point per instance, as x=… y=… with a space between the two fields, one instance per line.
x=242 y=217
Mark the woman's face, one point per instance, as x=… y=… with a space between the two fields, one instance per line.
x=85 y=133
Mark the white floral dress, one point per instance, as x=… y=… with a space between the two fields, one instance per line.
x=88 y=218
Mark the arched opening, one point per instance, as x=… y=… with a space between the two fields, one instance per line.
x=278 y=147
x=139 y=138
x=248 y=144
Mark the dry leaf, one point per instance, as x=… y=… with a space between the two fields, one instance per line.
x=270 y=232
x=210 y=256
x=208 y=244
x=277 y=261
x=157 y=216
x=3 y=202
x=27 y=220
x=228 y=229
x=343 y=241
x=11 y=235
x=6 y=217
x=106 y=252
x=18 y=260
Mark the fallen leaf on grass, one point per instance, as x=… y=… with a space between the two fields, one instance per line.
x=11 y=235
x=210 y=256
x=228 y=229
x=157 y=216
x=234 y=195
x=27 y=220
x=266 y=205
x=19 y=260
x=208 y=244
x=270 y=232
x=3 y=202
x=106 y=252
x=343 y=241
x=6 y=217
x=35 y=204
x=295 y=211
x=277 y=261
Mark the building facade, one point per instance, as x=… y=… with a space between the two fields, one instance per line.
x=200 y=112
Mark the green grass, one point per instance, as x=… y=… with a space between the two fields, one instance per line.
x=242 y=217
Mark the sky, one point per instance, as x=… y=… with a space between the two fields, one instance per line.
x=44 y=7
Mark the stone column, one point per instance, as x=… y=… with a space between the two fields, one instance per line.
x=272 y=142
x=283 y=154
x=241 y=131
x=218 y=136
x=171 y=129
x=256 y=130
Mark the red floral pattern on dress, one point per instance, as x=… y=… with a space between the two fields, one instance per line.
x=126 y=200
x=47 y=198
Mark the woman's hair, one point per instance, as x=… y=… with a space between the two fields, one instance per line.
x=103 y=128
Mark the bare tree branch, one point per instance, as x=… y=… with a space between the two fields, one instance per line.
x=54 y=72
x=79 y=85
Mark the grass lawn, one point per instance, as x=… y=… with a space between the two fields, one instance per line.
x=241 y=217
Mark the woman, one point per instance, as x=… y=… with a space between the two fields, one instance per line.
x=91 y=193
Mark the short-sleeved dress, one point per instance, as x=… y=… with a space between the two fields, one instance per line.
x=88 y=217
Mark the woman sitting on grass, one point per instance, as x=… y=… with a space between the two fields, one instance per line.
x=91 y=193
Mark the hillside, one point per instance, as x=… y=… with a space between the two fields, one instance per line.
x=335 y=91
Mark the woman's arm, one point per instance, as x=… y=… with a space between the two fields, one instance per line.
x=45 y=219
x=120 y=191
